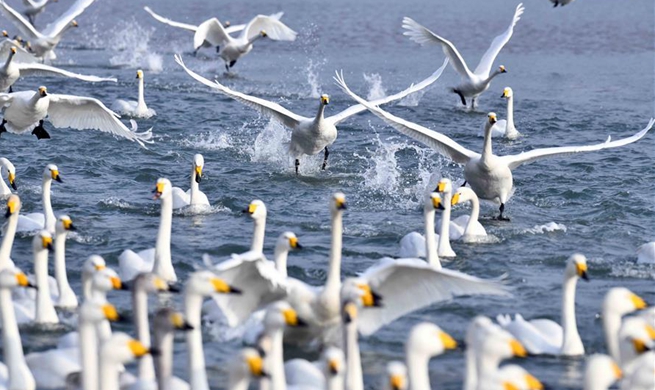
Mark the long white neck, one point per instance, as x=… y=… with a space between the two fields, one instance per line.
x=196 y=363
x=66 y=295
x=430 y=239
x=492 y=75
x=486 y=366
x=471 y=372
x=4 y=188
x=487 y=150
x=8 y=241
x=611 y=325
x=334 y=273
x=319 y=115
x=163 y=266
x=280 y=256
x=47 y=206
x=88 y=355
x=8 y=62
x=141 y=103
x=445 y=250
x=571 y=336
x=109 y=374
x=475 y=214
x=45 y=309
x=334 y=382
x=20 y=376
x=194 y=186
x=354 y=376
x=510 y=115
x=236 y=381
x=164 y=362
x=258 y=235
x=276 y=360
x=140 y=307
x=417 y=370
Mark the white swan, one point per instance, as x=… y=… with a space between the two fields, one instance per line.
x=12 y=70
x=66 y=296
x=636 y=336
x=9 y=231
x=600 y=372
x=492 y=346
x=646 y=253
x=396 y=376
x=543 y=336
x=505 y=128
x=158 y=259
x=466 y=227
x=247 y=365
x=200 y=285
x=257 y=211
x=490 y=176
x=44 y=308
x=478 y=81
x=18 y=374
x=513 y=377
x=618 y=302
x=166 y=321
x=416 y=245
x=44 y=42
x=135 y=109
x=643 y=376
x=194 y=196
x=7 y=169
x=26 y=110
x=309 y=135
x=231 y=49
x=425 y=341
x=327 y=374
x=46 y=220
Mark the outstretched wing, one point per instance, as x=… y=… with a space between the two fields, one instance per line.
x=55 y=28
x=267 y=108
x=88 y=113
x=423 y=36
x=19 y=21
x=516 y=160
x=212 y=31
x=42 y=69
x=274 y=29
x=171 y=23
x=357 y=108
x=21 y=55
x=487 y=61
x=439 y=142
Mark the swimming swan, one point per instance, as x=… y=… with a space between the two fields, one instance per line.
x=466 y=227
x=478 y=81
x=505 y=127
x=193 y=196
x=135 y=109
x=490 y=176
x=46 y=220
x=7 y=169
x=308 y=135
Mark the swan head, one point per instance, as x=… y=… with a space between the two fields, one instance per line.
x=429 y=340
x=168 y=320
x=163 y=189
x=396 y=378
x=462 y=195
x=433 y=202
x=513 y=377
x=92 y=265
x=139 y=74
x=333 y=362
x=42 y=241
x=601 y=372
x=92 y=311
x=501 y=69
x=280 y=315
x=499 y=344
x=477 y=329
x=74 y=24
x=287 y=242
x=491 y=119
x=107 y=280
x=256 y=209
x=637 y=334
x=13 y=205
x=205 y=283
x=620 y=301
x=43 y=91
x=247 y=365
x=358 y=292
x=325 y=99
x=13 y=277
x=507 y=93
x=152 y=284
x=576 y=267
x=227 y=24
x=198 y=165
x=5 y=34
x=51 y=172
x=64 y=224
x=338 y=203
x=122 y=349
x=445 y=186
x=9 y=169
x=263 y=34
x=12 y=51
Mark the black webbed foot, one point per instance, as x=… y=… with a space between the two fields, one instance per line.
x=40 y=132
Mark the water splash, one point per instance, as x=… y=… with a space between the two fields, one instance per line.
x=131 y=41
x=209 y=141
x=546 y=228
x=272 y=145
x=376 y=90
x=312 y=70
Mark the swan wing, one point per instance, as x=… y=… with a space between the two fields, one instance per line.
x=274 y=29
x=180 y=198
x=211 y=31
x=164 y=20
x=423 y=36
x=21 y=55
x=130 y=263
x=407 y=285
x=357 y=108
x=19 y=21
x=550 y=330
x=529 y=335
x=516 y=160
x=412 y=245
x=303 y=373
x=487 y=61
x=81 y=113
x=439 y=142
x=260 y=284
x=265 y=107
x=36 y=68
x=238 y=27
x=50 y=368
x=57 y=27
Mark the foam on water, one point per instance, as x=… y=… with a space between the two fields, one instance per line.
x=376 y=90
x=546 y=228
x=272 y=145
x=131 y=40
x=214 y=140
x=190 y=211
x=116 y=202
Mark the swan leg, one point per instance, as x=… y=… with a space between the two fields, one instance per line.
x=218 y=49
x=227 y=67
x=40 y=132
x=474 y=103
x=325 y=157
x=11 y=90
x=297 y=165
x=232 y=63
x=457 y=91
x=502 y=209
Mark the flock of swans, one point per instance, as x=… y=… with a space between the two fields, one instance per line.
x=257 y=295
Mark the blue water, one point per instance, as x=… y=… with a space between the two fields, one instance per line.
x=579 y=74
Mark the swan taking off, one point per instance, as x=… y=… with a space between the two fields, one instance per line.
x=478 y=81
x=490 y=176
x=309 y=135
x=135 y=109
x=26 y=110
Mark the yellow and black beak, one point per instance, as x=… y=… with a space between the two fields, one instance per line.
x=341 y=204
x=455 y=199
x=158 y=191
x=333 y=365
x=502 y=69
x=220 y=286
x=198 y=174
x=293 y=243
x=180 y=323
x=325 y=100
x=517 y=348
x=436 y=203
x=638 y=302
x=397 y=382
x=640 y=346
x=441 y=187
x=117 y=283
x=581 y=269
x=111 y=313
x=46 y=242
x=349 y=312
x=533 y=383
x=68 y=224
x=263 y=34
x=11 y=208
x=369 y=297
x=251 y=209
x=43 y=91
x=618 y=374
x=492 y=118
x=5 y=34
x=23 y=281
x=74 y=23
x=256 y=366
x=139 y=74
x=54 y=174
x=138 y=349
x=12 y=180
x=447 y=340
x=13 y=50
x=291 y=318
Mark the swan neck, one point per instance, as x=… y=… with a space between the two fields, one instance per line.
x=8 y=241
x=475 y=214
x=510 y=112
x=236 y=381
x=611 y=325
x=258 y=235
x=354 y=376
x=486 y=366
x=8 y=62
x=61 y=275
x=276 y=361
x=491 y=76
x=334 y=273
x=19 y=374
x=470 y=375
x=88 y=354
x=444 y=231
x=321 y=110
x=141 y=102
x=164 y=362
x=430 y=239
x=45 y=310
x=163 y=266
x=417 y=370
x=4 y=188
x=196 y=356
x=281 y=255
x=140 y=307
x=194 y=187
x=109 y=372
x=49 y=215
x=487 y=150
x=569 y=323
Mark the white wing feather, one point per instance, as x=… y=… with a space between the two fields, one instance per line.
x=357 y=108
x=43 y=69
x=304 y=374
x=212 y=31
x=439 y=142
x=514 y=161
x=88 y=113
x=21 y=55
x=484 y=67
x=265 y=107
x=19 y=21
x=55 y=28
x=169 y=22
x=275 y=29
x=407 y=285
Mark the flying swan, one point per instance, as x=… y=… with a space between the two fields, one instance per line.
x=478 y=81
x=308 y=135
x=490 y=176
